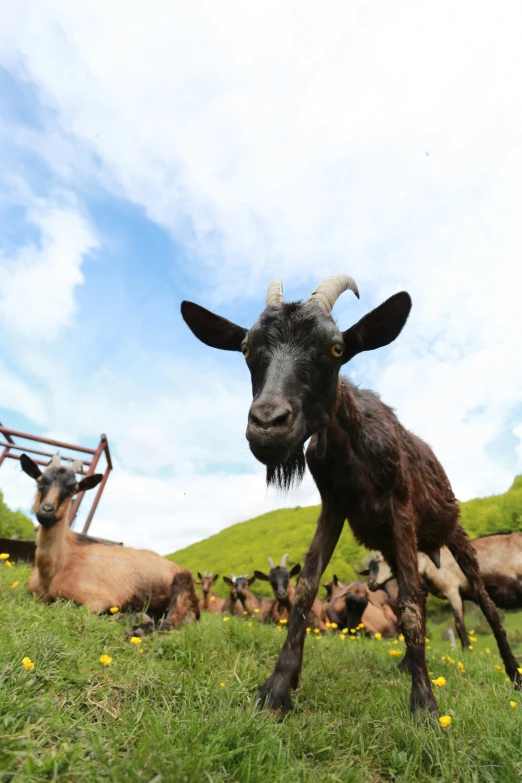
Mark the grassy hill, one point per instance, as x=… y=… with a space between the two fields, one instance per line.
x=243 y=547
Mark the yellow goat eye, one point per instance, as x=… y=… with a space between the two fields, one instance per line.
x=337 y=350
x=245 y=350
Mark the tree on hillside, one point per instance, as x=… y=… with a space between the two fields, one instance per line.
x=14 y=523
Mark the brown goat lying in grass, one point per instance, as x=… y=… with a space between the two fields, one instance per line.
x=97 y=575
x=210 y=602
x=279 y=578
x=348 y=605
x=500 y=561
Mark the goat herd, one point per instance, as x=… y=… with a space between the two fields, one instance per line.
x=368 y=469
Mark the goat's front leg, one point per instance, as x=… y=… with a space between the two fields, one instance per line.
x=276 y=690
x=412 y=609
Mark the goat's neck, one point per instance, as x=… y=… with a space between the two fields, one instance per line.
x=249 y=602
x=52 y=548
x=206 y=600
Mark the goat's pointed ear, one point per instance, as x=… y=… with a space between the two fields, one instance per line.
x=89 y=482
x=215 y=578
x=212 y=329
x=335 y=580
x=251 y=580
x=295 y=570
x=228 y=581
x=30 y=467
x=199 y=576
x=378 y=328
x=366 y=572
x=260 y=575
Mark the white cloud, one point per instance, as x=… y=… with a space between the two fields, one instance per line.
x=299 y=140
x=37 y=286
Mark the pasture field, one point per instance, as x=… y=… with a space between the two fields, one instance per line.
x=183 y=709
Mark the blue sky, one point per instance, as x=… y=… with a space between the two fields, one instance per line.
x=198 y=153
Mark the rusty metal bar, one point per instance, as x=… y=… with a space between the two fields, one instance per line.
x=5 y=452
x=34 y=451
x=60 y=444
x=92 y=467
x=96 y=500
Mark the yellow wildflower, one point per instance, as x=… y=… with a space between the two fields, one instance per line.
x=451 y=660
x=15 y=584
x=256 y=611
x=8 y=564
x=377 y=635
x=222 y=685
x=361 y=625
x=114 y=609
x=473 y=639
x=4 y=556
x=135 y=640
x=440 y=682
x=470 y=647
x=27 y=664
x=141 y=650
x=429 y=647
x=426 y=639
x=105 y=659
x=497 y=667
x=488 y=650
x=513 y=704
x=245 y=611
x=345 y=630
x=519 y=670
x=395 y=641
x=401 y=638
x=334 y=625
x=461 y=667
x=445 y=721
x=226 y=619
x=328 y=625
x=506 y=679
x=283 y=621
x=394 y=652
x=473 y=631
x=308 y=630
x=316 y=630
x=352 y=630
x=249 y=624
x=212 y=597
x=342 y=637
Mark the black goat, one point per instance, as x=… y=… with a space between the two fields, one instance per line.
x=367 y=467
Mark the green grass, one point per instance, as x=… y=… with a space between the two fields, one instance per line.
x=163 y=715
x=244 y=547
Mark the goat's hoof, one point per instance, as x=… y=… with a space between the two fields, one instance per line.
x=275 y=694
x=425 y=706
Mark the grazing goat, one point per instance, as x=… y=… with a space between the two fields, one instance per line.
x=210 y=602
x=349 y=605
x=97 y=575
x=368 y=468
x=500 y=561
x=279 y=578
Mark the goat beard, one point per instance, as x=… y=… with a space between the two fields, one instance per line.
x=289 y=474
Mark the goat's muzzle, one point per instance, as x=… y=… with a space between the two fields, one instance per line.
x=271 y=432
x=46 y=515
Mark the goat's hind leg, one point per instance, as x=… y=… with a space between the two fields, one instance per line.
x=464 y=554
x=183 y=602
x=276 y=690
x=412 y=608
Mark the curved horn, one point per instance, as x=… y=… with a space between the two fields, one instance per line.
x=77 y=466
x=54 y=463
x=283 y=561
x=271 y=562
x=327 y=293
x=274 y=295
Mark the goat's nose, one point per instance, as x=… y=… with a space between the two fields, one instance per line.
x=266 y=416
x=48 y=508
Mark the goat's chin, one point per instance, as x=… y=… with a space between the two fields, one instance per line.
x=289 y=473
